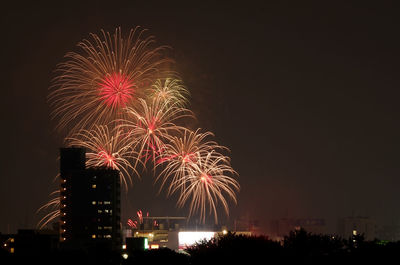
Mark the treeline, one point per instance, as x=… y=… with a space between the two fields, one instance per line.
x=299 y=247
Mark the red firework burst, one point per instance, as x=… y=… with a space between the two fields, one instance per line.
x=116 y=90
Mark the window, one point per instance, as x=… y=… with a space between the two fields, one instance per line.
x=93 y=186
x=107 y=202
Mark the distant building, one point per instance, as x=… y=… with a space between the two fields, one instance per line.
x=160 y=232
x=282 y=227
x=153 y=232
x=90 y=203
x=30 y=242
x=357 y=225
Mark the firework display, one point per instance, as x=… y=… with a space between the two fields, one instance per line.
x=117 y=99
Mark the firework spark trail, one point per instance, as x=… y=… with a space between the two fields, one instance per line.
x=171 y=91
x=132 y=224
x=207 y=184
x=109 y=148
x=181 y=155
x=53 y=206
x=151 y=125
x=109 y=73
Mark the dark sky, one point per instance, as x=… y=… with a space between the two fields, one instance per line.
x=304 y=95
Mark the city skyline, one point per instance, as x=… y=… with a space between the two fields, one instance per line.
x=305 y=97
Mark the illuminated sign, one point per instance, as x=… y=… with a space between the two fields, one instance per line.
x=187 y=239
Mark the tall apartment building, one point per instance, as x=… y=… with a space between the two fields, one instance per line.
x=90 y=202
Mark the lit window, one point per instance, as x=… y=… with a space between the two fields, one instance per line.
x=107 y=236
x=93 y=202
x=12 y=250
x=99 y=211
x=93 y=186
x=106 y=211
x=93 y=236
x=107 y=202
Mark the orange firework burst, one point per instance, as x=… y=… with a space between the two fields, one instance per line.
x=110 y=73
x=151 y=124
x=207 y=183
x=181 y=154
x=107 y=148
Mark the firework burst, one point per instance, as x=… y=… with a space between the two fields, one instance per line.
x=107 y=148
x=170 y=90
x=207 y=184
x=109 y=73
x=151 y=124
x=180 y=156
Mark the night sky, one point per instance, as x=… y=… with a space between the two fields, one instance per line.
x=304 y=95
